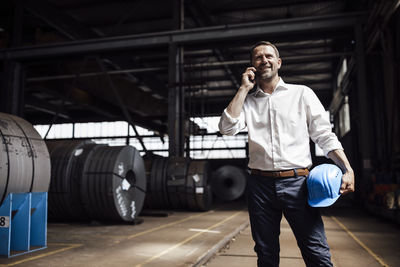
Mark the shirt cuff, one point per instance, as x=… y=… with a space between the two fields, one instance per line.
x=229 y=118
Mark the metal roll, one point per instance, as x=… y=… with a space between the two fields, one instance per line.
x=176 y=182
x=198 y=188
x=114 y=183
x=24 y=158
x=156 y=193
x=228 y=182
x=67 y=159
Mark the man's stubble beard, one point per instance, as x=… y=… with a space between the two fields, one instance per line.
x=268 y=77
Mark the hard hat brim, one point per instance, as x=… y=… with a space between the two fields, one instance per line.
x=323 y=202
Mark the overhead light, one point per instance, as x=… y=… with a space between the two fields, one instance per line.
x=144 y=88
x=157 y=96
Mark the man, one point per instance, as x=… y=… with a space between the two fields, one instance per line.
x=280 y=119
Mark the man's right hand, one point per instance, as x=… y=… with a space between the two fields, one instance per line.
x=248 y=81
x=249 y=78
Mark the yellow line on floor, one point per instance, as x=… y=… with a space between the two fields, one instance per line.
x=167 y=225
x=70 y=246
x=376 y=257
x=186 y=240
x=333 y=258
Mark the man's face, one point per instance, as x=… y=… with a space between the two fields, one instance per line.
x=266 y=62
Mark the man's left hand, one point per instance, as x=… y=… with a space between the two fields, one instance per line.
x=347 y=183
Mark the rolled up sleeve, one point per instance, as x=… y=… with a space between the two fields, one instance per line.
x=319 y=125
x=229 y=125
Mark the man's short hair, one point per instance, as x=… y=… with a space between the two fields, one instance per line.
x=262 y=43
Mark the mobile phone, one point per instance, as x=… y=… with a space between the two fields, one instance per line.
x=254 y=81
x=255 y=77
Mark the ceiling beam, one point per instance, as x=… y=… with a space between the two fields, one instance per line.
x=59 y=20
x=202 y=18
x=74 y=30
x=43 y=106
x=205 y=34
x=207 y=65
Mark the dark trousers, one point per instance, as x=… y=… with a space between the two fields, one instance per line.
x=267 y=199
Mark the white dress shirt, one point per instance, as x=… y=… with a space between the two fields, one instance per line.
x=280 y=126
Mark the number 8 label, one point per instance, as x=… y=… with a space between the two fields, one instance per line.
x=4 y=221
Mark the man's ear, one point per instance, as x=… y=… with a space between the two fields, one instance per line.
x=279 y=63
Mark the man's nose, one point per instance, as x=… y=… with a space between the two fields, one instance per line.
x=264 y=59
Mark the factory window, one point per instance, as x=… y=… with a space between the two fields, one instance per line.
x=344 y=118
x=209 y=145
x=214 y=145
x=64 y=130
x=342 y=72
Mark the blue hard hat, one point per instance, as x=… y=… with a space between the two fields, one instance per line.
x=323 y=184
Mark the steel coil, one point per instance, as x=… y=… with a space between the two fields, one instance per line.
x=198 y=188
x=228 y=182
x=176 y=177
x=156 y=193
x=114 y=183
x=178 y=183
x=24 y=159
x=67 y=160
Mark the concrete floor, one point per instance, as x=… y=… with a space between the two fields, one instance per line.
x=355 y=238
x=196 y=239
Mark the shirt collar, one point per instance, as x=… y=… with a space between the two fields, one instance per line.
x=280 y=85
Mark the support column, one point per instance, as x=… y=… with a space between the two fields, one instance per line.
x=364 y=129
x=12 y=88
x=176 y=94
x=13 y=76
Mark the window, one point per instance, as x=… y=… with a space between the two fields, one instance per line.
x=117 y=133
x=344 y=118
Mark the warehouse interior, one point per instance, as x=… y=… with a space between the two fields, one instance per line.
x=127 y=95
